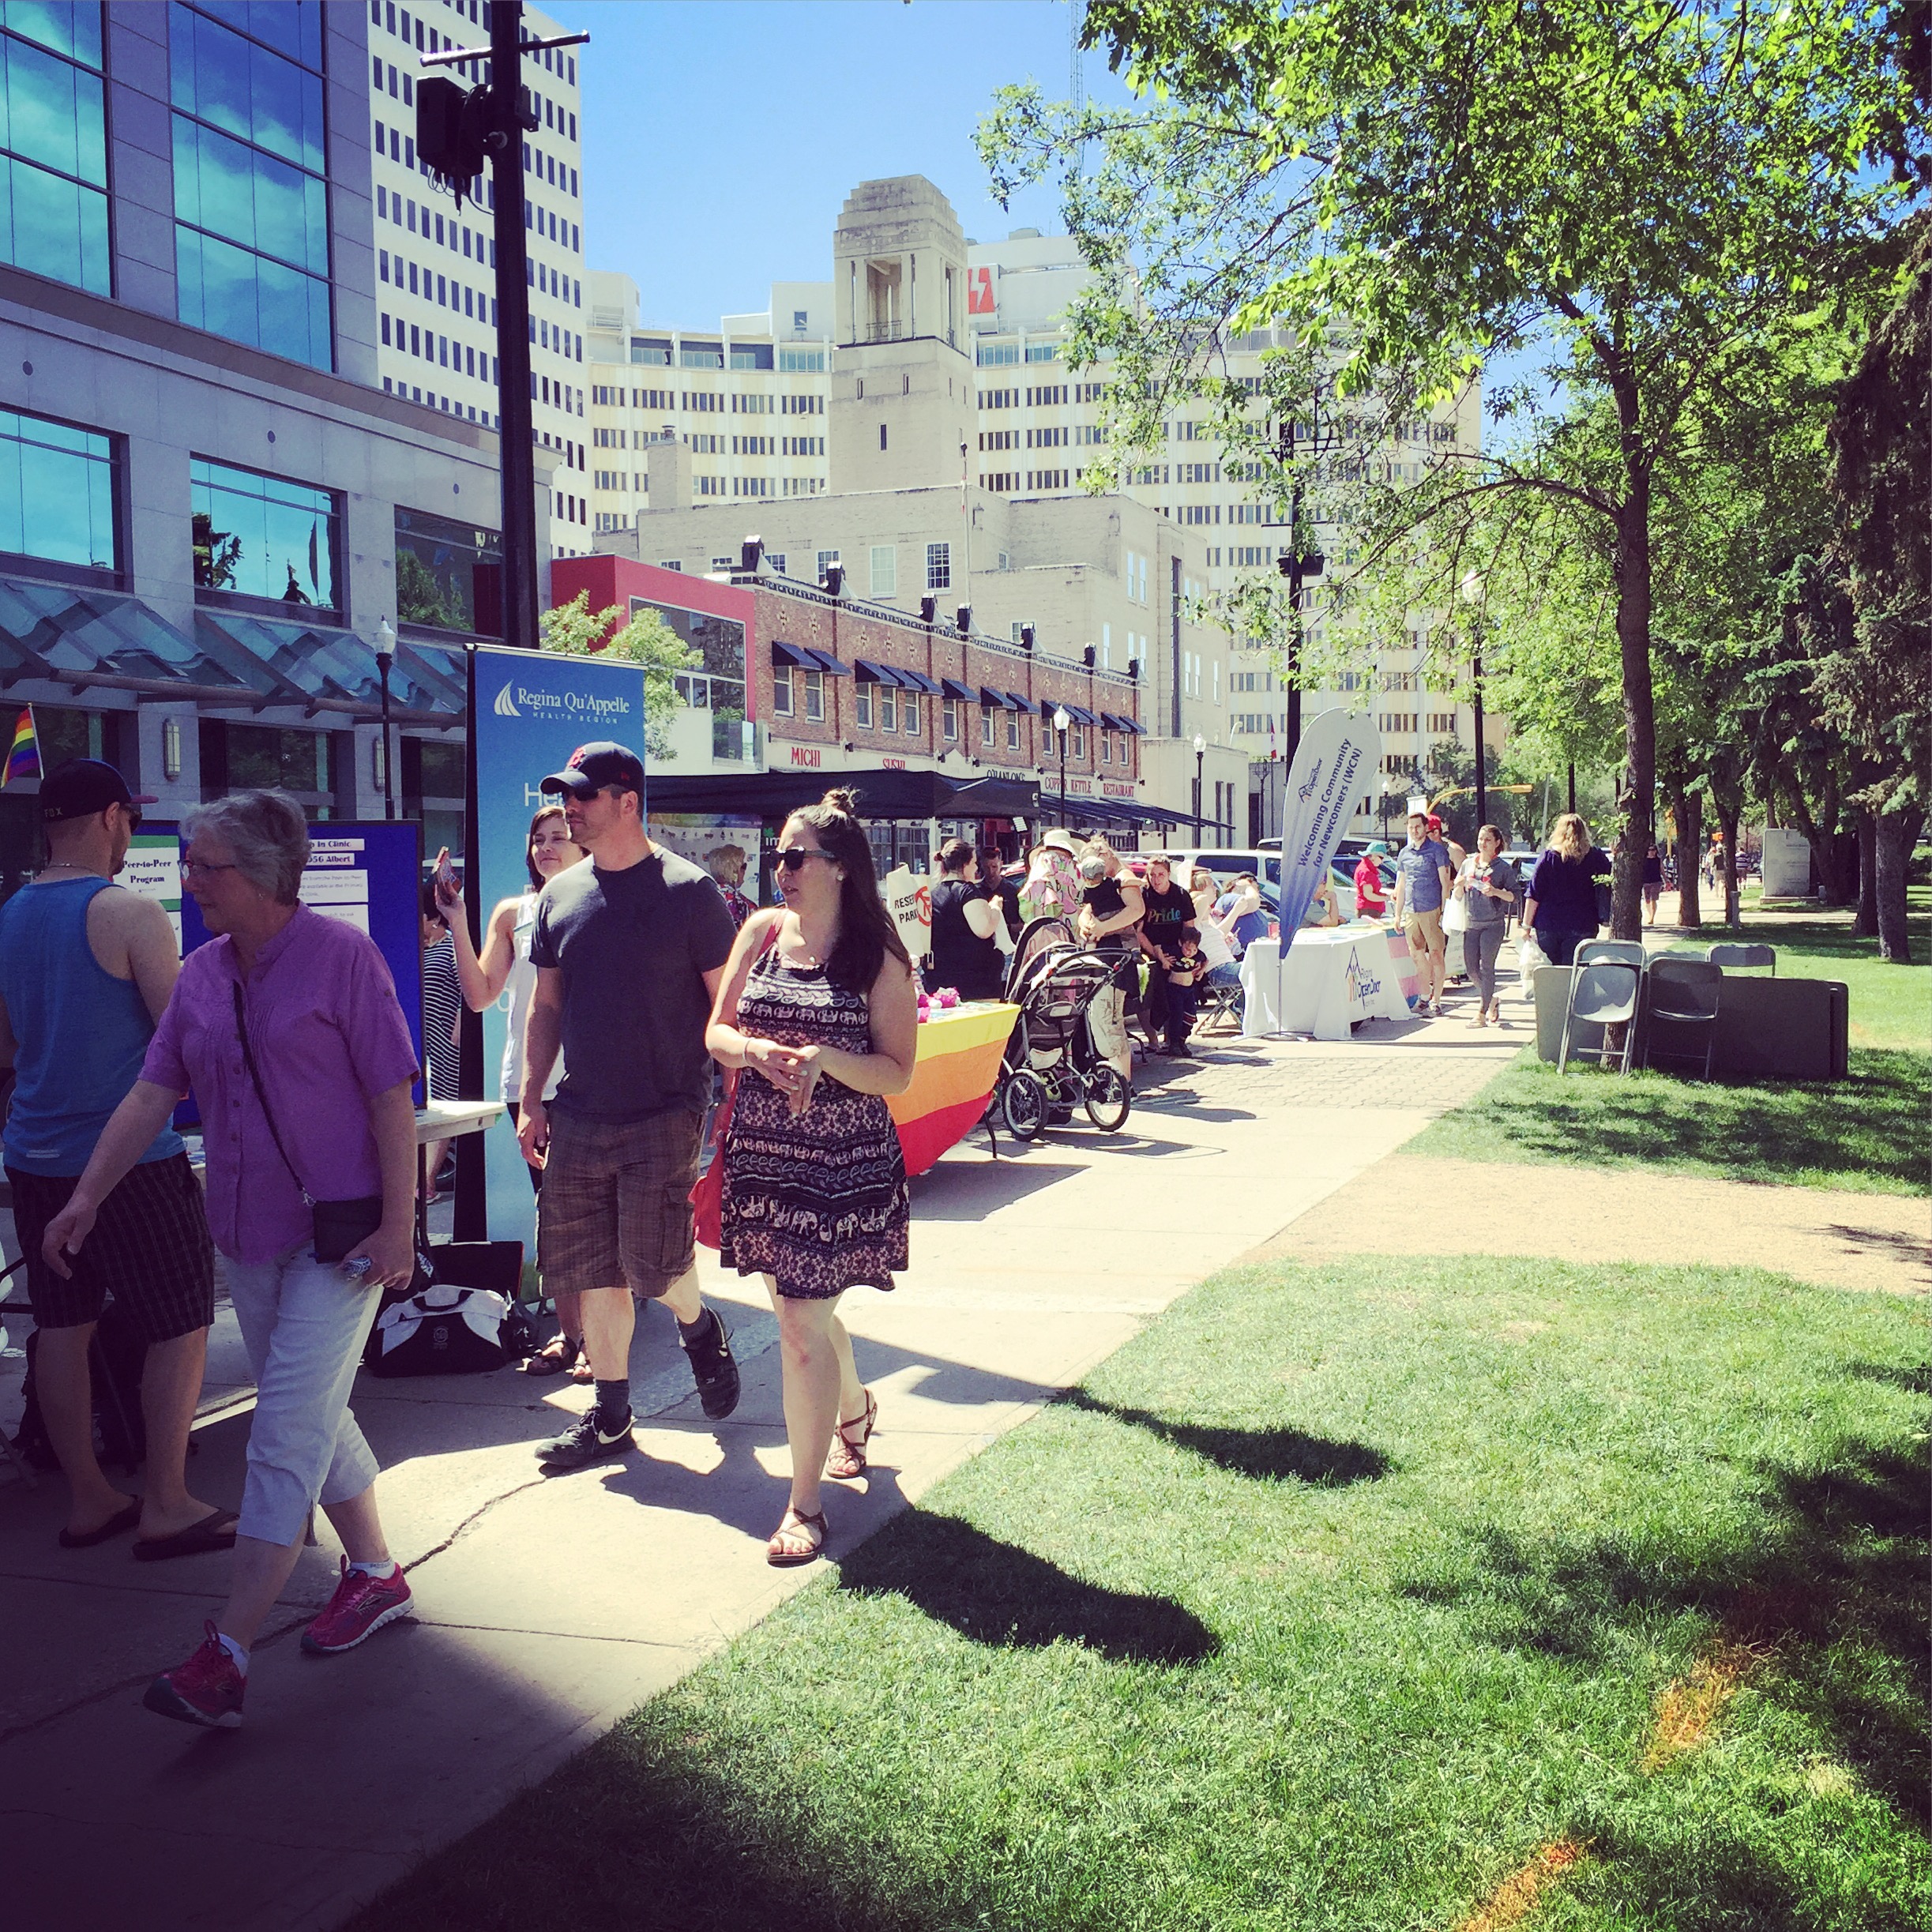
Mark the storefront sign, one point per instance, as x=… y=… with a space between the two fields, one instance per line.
x=1118 y=791
x=528 y=712
x=807 y=755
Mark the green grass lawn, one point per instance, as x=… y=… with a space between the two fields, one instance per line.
x=1323 y=1606
x=1871 y=1133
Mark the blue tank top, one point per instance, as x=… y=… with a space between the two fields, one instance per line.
x=80 y=1034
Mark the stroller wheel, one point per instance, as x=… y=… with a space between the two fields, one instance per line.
x=1108 y=1099
x=1023 y=1104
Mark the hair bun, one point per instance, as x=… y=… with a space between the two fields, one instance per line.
x=842 y=800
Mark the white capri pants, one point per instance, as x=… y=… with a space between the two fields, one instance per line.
x=303 y=1326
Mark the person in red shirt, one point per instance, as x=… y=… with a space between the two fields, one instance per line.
x=1371 y=900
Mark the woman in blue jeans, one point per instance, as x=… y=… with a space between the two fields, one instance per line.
x=1560 y=907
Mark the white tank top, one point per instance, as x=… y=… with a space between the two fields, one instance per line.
x=514 y=1002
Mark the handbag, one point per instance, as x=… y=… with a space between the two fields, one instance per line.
x=339 y=1226
x=443 y=1331
x=707 y=1194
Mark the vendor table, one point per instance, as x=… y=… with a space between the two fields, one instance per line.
x=953 y=1077
x=1336 y=974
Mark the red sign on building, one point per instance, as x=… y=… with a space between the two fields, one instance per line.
x=980 y=297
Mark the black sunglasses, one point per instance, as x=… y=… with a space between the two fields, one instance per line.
x=793 y=857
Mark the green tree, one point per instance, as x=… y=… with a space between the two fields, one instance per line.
x=642 y=638
x=1643 y=192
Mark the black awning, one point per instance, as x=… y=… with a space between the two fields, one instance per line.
x=1018 y=702
x=998 y=700
x=824 y=660
x=917 y=681
x=951 y=687
x=883 y=794
x=783 y=653
x=1080 y=715
x=869 y=673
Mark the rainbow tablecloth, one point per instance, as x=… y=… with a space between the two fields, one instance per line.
x=957 y=1068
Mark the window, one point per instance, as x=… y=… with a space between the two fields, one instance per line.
x=57 y=493
x=996 y=355
x=262 y=536
x=1397 y=721
x=909 y=714
x=251 y=201
x=1012 y=730
x=888 y=709
x=807 y=362
x=448 y=574
x=826 y=559
x=814 y=694
x=781 y=691
x=884 y=569
x=1442 y=723
x=950 y=721
x=938 y=566
x=985 y=724
x=862 y=704
x=54 y=145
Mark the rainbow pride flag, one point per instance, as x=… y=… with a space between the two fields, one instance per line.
x=23 y=758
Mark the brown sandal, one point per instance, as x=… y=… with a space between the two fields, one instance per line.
x=783 y=1550
x=561 y=1352
x=848 y=1458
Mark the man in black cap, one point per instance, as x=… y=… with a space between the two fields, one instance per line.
x=85 y=970
x=628 y=951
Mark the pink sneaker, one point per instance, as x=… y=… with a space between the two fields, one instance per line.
x=360 y=1606
x=207 y=1689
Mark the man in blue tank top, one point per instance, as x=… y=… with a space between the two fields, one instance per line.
x=86 y=969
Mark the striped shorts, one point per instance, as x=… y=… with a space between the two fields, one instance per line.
x=149 y=1249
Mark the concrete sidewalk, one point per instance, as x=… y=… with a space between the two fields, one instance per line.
x=548 y=1609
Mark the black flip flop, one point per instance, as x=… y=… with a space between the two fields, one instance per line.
x=116 y=1525
x=216 y=1531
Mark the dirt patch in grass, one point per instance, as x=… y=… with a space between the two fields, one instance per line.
x=1411 y=1204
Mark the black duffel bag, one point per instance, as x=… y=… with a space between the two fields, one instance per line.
x=465 y=1319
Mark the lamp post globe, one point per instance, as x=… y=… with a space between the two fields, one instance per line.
x=1200 y=752
x=385 y=658
x=1062 y=724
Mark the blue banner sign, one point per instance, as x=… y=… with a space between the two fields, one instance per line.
x=528 y=712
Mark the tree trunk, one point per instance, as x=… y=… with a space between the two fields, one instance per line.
x=1638 y=797
x=1834 y=890
x=1865 y=921
x=1688 y=807
x=1897 y=833
x=1727 y=818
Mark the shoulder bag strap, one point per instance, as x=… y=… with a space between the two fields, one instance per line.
x=724 y=1118
x=248 y=1060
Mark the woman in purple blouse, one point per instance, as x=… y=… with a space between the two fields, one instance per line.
x=310 y=1001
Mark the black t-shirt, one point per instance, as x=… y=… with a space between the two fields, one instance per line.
x=1168 y=911
x=634 y=947
x=961 y=959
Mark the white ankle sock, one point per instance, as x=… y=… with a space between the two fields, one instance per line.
x=236 y=1655
x=381 y=1571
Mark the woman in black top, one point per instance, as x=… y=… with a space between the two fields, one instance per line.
x=965 y=955
x=1561 y=908
x=1169 y=908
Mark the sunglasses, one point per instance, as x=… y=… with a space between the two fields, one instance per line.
x=793 y=857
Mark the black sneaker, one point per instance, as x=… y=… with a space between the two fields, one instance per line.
x=583 y=1443
x=714 y=1369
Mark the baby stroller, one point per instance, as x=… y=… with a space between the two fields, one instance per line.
x=1050 y=1066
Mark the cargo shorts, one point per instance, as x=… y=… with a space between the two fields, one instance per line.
x=616 y=1208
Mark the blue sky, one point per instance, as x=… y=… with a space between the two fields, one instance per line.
x=722 y=137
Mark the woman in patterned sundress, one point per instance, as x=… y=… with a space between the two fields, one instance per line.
x=818 y=1012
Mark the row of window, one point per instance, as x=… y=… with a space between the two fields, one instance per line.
x=272 y=539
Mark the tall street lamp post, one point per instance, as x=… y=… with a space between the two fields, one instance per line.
x=1297 y=564
x=386 y=657
x=1061 y=724
x=1201 y=752
x=1472 y=596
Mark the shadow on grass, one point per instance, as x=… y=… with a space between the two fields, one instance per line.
x=997 y=1593
x=1832 y=1580
x=1264 y=1454
x=1870 y=1125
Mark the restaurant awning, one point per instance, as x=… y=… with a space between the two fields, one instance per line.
x=882 y=795
x=998 y=701
x=951 y=687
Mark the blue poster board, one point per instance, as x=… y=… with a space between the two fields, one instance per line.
x=528 y=710
x=368 y=874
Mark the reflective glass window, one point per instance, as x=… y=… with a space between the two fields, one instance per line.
x=251 y=201
x=54 y=143
x=448 y=574
x=263 y=536
x=56 y=492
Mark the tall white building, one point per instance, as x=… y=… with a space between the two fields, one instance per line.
x=435 y=261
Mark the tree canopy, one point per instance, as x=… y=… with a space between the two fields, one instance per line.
x=640 y=638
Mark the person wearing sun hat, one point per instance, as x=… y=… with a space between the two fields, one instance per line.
x=1371 y=898
x=1053 y=882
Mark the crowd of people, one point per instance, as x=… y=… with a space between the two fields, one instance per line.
x=287 y=1036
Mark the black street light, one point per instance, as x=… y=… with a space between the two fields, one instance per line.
x=1061 y=723
x=386 y=657
x=1201 y=753
x=455 y=133
x=1297 y=565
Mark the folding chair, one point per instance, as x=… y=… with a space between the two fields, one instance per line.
x=1606 y=978
x=1730 y=956
x=1682 y=994
x=1217 y=1004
